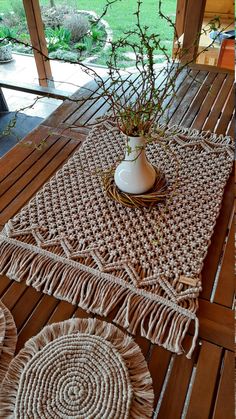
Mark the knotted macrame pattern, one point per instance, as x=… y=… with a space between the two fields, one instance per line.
x=73 y=242
x=83 y=369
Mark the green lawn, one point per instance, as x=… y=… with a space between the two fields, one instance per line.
x=120 y=15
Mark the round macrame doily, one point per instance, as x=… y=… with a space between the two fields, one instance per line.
x=8 y=338
x=83 y=369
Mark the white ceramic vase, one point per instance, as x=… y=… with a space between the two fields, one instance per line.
x=135 y=174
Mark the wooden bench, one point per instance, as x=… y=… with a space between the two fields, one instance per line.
x=29 y=88
x=200 y=388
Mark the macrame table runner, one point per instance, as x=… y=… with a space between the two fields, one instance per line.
x=83 y=369
x=73 y=242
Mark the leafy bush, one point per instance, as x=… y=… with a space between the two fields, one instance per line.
x=24 y=37
x=5 y=31
x=80 y=46
x=11 y=20
x=88 y=42
x=54 y=17
x=97 y=33
x=78 y=25
x=58 y=38
x=64 y=55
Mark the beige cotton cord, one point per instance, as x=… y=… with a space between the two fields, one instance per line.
x=79 y=368
x=8 y=338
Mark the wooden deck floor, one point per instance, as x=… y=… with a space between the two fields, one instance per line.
x=199 y=388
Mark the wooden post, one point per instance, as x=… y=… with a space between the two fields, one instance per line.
x=179 y=24
x=192 y=27
x=180 y=16
x=37 y=36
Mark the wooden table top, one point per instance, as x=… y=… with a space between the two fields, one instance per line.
x=198 y=388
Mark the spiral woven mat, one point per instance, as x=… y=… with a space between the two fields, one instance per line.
x=8 y=337
x=83 y=369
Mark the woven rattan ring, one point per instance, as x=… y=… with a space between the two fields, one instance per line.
x=157 y=194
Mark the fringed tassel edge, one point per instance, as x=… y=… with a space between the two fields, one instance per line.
x=189 y=133
x=142 y=403
x=9 y=342
x=160 y=320
x=2 y=328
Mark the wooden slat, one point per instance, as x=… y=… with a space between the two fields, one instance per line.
x=169 y=103
x=90 y=111
x=25 y=306
x=13 y=294
x=198 y=100
x=88 y=115
x=218 y=105
x=231 y=128
x=224 y=407
x=82 y=314
x=92 y=101
x=143 y=343
x=11 y=183
x=215 y=249
x=205 y=381
x=62 y=112
x=212 y=69
x=53 y=147
x=63 y=311
x=226 y=115
x=186 y=101
x=36 y=320
x=158 y=366
x=182 y=89
x=68 y=107
x=211 y=97
x=71 y=131
x=5 y=282
x=38 y=179
x=225 y=288
x=177 y=387
x=50 y=136
x=216 y=324
x=11 y=160
x=34 y=89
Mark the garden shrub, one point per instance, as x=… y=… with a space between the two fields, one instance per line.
x=64 y=55
x=54 y=17
x=7 y=31
x=58 y=38
x=97 y=33
x=78 y=25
